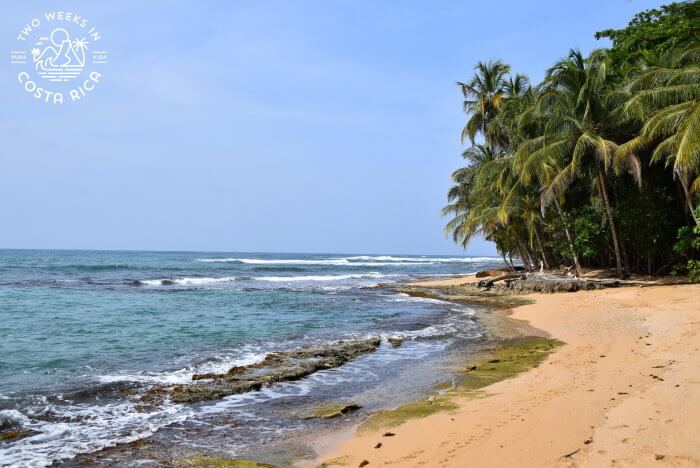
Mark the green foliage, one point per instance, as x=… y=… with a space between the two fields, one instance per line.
x=648 y=221
x=687 y=247
x=596 y=166
x=694 y=270
x=590 y=233
x=654 y=32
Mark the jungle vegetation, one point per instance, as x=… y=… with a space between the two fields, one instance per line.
x=598 y=165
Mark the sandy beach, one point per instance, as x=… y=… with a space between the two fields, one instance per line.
x=623 y=391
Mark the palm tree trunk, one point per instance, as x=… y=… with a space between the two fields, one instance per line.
x=525 y=255
x=510 y=266
x=577 y=264
x=623 y=249
x=688 y=200
x=608 y=211
x=539 y=243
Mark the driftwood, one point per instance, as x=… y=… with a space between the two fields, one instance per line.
x=488 y=283
x=548 y=282
x=617 y=282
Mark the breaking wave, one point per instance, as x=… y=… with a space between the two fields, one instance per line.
x=182 y=281
x=373 y=275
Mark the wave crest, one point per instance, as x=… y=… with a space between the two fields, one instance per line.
x=182 y=281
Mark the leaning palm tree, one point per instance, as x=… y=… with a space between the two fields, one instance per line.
x=487 y=201
x=464 y=224
x=483 y=96
x=666 y=99
x=575 y=138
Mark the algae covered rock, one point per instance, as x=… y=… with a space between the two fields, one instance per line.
x=333 y=411
x=396 y=341
x=281 y=366
x=505 y=361
x=221 y=462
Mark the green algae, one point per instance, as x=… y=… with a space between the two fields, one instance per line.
x=333 y=411
x=338 y=461
x=513 y=357
x=16 y=434
x=415 y=410
x=494 y=298
x=447 y=384
x=221 y=462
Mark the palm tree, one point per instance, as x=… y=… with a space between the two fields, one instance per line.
x=483 y=96
x=536 y=159
x=504 y=129
x=464 y=224
x=666 y=99
x=575 y=140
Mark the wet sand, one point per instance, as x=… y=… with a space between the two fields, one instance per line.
x=623 y=391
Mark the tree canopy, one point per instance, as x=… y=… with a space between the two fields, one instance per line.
x=654 y=32
x=596 y=166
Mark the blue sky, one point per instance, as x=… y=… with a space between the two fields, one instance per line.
x=305 y=126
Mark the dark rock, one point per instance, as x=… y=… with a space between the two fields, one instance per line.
x=396 y=340
x=207 y=376
x=334 y=411
x=283 y=366
x=548 y=285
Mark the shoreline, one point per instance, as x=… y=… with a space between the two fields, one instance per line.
x=296 y=405
x=608 y=396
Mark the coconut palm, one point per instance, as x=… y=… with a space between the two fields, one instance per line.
x=504 y=130
x=464 y=225
x=547 y=182
x=483 y=96
x=575 y=139
x=666 y=99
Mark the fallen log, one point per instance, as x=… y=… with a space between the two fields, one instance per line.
x=488 y=283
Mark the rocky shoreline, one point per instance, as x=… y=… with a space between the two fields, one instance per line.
x=276 y=367
x=282 y=366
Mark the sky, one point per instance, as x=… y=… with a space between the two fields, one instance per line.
x=265 y=126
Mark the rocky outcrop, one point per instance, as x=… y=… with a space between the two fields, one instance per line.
x=396 y=341
x=533 y=284
x=546 y=283
x=11 y=430
x=281 y=366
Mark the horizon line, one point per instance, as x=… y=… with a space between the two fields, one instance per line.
x=244 y=252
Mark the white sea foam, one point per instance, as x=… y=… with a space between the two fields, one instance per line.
x=468 y=311
x=194 y=281
x=281 y=279
x=260 y=261
x=218 y=365
x=389 y=258
x=403 y=297
x=87 y=428
x=12 y=415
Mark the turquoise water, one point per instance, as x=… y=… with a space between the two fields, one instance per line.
x=77 y=321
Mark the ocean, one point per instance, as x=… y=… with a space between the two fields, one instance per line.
x=77 y=328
